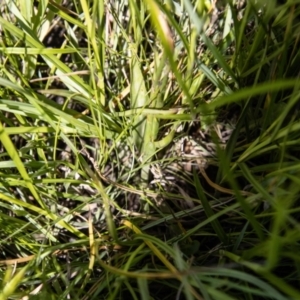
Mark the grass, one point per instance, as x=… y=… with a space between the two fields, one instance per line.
x=91 y=87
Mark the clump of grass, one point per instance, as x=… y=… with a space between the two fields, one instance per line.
x=122 y=78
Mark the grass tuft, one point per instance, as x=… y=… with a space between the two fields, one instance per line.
x=149 y=149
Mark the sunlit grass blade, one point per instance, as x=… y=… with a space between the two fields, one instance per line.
x=11 y=285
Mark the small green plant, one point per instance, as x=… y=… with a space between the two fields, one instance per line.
x=149 y=149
